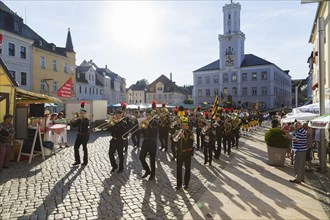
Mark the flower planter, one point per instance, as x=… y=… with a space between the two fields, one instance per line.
x=276 y=156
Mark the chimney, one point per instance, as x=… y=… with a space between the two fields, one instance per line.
x=171 y=76
x=106 y=66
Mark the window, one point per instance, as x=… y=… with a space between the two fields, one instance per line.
x=199 y=80
x=97 y=91
x=72 y=87
x=264 y=90
x=254 y=76
x=234 y=77
x=86 y=90
x=244 y=76
x=12 y=73
x=72 y=69
x=23 y=78
x=200 y=94
x=244 y=91
x=263 y=75
x=216 y=79
x=234 y=91
x=65 y=68
x=11 y=49
x=16 y=25
x=89 y=77
x=159 y=88
x=225 y=91
x=42 y=62
x=80 y=89
x=207 y=80
x=207 y=93
x=254 y=91
x=55 y=86
x=90 y=90
x=42 y=85
x=216 y=92
x=23 y=52
x=54 y=65
x=93 y=78
x=225 y=78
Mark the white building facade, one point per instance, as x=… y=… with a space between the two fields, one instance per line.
x=323 y=10
x=16 y=52
x=239 y=79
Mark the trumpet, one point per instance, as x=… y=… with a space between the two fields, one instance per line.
x=177 y=134
x=141 y=125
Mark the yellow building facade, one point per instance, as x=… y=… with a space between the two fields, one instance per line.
x=52 y=67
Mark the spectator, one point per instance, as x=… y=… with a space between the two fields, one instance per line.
x=299 y=148
x=7 y=133
x=310 y=139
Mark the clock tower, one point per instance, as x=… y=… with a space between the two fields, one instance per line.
x=232 y=41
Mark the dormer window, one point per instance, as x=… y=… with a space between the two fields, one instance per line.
x=53 y=47
x=40 y=43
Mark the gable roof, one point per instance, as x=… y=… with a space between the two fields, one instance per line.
x=11 y=78
x=249 y=60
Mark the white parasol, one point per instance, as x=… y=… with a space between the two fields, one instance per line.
x=320 y=122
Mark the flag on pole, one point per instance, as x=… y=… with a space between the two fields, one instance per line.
x=215 y=106
x=66 y=90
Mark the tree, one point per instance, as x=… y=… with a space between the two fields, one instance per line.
x=142 y=82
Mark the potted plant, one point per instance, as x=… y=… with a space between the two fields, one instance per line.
x=277 y=145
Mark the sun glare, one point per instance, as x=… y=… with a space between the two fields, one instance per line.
x=133 y=25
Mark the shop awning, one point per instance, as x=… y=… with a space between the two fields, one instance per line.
x=23 y=96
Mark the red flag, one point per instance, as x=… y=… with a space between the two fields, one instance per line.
x=66 y=90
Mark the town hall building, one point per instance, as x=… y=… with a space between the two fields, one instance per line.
x=240 y=80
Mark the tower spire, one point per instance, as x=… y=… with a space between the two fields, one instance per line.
x=69 y=45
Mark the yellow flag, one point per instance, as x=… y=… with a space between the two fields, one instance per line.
x=215 y=107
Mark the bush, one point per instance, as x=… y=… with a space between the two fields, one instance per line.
x=274 y=137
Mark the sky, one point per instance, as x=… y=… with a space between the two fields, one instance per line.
x=144 y=39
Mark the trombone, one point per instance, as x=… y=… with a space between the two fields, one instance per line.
x=143 y=124
x=108 y=123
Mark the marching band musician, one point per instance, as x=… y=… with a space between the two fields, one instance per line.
x=236 y=127
x=164 y=127
x=209 y=141
x=228 y=136
x=118 y=127
x=82 y=123
x=185 y=140
x=149 y=144
x=175 y=125
x=199 y=125
x=136 y=132
x=219 y=126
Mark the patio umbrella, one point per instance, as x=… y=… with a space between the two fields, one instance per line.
x=132 y=106
x=320 y=122
x=301 y=116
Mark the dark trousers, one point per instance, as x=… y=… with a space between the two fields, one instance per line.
x=208 y=152
x=148 y=146
x=118 y=146
x=227 y=143
x=217 y=151
x=198 y=138
x=136 y=138
x=183 y=158
x=80 y=141
x=236 y=137
x=173 y=148
x=163 y=137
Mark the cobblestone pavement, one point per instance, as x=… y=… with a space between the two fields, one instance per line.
x=52 y=189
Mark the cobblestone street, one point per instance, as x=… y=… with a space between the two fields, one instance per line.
x=52 y=189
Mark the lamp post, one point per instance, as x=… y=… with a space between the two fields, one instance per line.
x=321 y=76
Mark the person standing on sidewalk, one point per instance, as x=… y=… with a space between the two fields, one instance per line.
x=82 y=124
x=299 y=148
x=7 y=133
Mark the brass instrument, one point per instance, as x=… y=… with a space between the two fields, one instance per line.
x=173 y=124
x=177 y=134
x=108 y=123
x=236 y=123
x=205 y=129
x=228 y=127
x=143 y=123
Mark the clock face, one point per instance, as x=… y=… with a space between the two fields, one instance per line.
x=229 y=60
